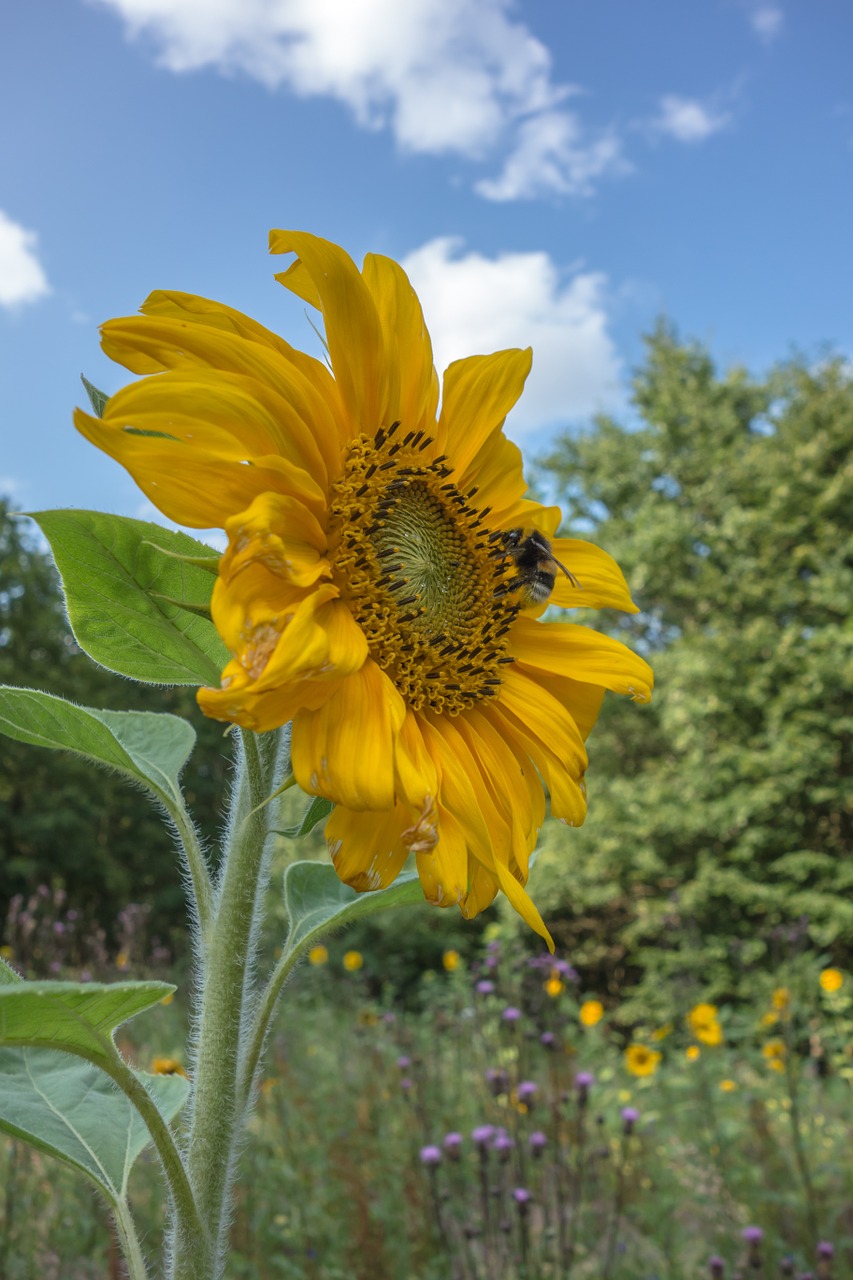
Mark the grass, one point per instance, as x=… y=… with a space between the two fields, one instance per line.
x=360 y=1160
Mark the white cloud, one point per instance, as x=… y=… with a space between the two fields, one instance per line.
x=445 y=76
x=475 y=305
x=552 y=156
x=22 y=278
x=767 y=21
x=688 y=120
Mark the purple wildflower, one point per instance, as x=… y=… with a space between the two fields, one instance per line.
x=630 y=1116
x=526 y=1092
x=503 y=1145
x=430 y=1156
x=452 y=1143
x=538 y=1142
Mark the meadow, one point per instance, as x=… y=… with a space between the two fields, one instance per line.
x=499 y=1122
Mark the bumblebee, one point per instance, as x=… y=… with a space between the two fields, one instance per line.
x=535 y=566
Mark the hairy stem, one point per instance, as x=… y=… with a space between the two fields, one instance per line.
x=218 y=1110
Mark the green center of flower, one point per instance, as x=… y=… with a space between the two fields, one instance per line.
x=421 y=572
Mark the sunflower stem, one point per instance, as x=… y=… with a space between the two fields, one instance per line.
x=219 y=1104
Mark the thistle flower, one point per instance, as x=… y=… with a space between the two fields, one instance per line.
x=374 y=591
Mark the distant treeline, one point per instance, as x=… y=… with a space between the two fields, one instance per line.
x=720 y=829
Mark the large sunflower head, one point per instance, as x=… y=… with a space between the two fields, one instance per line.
x=384 y=574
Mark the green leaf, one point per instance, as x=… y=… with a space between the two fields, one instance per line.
x=317 y=811
x=70 y=1110
x=97 y=399
x=317 y=902
x=79 y=1018
x=8 y=975
x=132 y=599
x=143 y=745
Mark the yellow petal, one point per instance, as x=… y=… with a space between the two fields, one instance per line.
x=496 y=470
x=602 y=583
x=190 y=489
x=353 y=331
x=521 y=901
x=286 y=660
x=281 y=534
x=444 y=870
x=345 y=749
x=582 y=654
x=417 y=776
x=368 y=849
x=477 y=395
x=412 y=380
x=148 y=344
x=507 y=776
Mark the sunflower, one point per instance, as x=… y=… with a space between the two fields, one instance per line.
x=704 y=1024
x=641 y=1060
x=370 y=592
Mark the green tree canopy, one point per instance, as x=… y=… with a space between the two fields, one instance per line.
x=723 y=812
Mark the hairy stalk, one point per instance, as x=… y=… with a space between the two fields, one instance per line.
x=135 y=1262
x=180 y=1192
x=218 y=1111
x=202 y=889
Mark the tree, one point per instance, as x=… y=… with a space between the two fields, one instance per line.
x=725 y=810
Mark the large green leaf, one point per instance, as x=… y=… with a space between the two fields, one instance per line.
x=317 y=902
x=79 y=1018
x=145 y=746
x=133 y=598
x=70 y=1110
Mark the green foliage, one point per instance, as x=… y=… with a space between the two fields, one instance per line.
x=317 y=903
x=135 y=594
x=79 y=1018
x=148 y=749
x=723 y=811
x=89 y=1125
x=59 y=823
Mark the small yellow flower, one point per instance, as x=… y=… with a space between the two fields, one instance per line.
x=353 y=961
x=591 y=1012
x=661 y=1033
x=770 y=1018
x=774 y=1053
x=831 y=980
x=554 y=986
x=728 y=1086
x=641 y=1060
x=450 y=960
x=318 y=955
x=268 y=1085
x=692 y=1052
x=167 y=1067
x=702 y=1021
x=122 y=960
x=168 y=999
x=781 y=999
x=7 y=952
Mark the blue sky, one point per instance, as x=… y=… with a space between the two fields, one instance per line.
x=552 y=172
